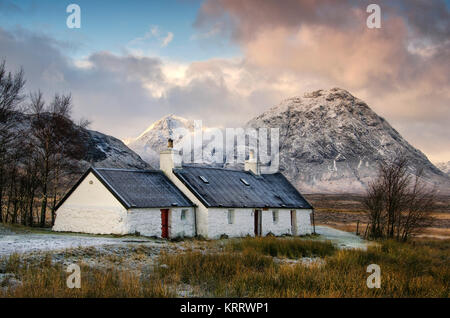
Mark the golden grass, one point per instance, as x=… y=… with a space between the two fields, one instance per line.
x=246 y=268
x=407 y=270
x=44 y=279
x=291 y=247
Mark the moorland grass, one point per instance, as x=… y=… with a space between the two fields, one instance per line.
x=246 y=268
x=407 y=270
x=290 y=247
x=46 y=279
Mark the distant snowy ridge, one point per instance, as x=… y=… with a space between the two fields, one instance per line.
x=444 y=167
x=330 y=142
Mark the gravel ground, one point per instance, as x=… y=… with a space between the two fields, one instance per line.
x=342 y=239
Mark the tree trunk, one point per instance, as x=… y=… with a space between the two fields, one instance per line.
x=30 y=209
x=1 y=201
x=44 y=193
x=44 y=208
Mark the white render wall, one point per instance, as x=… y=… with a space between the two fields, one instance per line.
x=145 y=221
x=179 y=227
x=304 y=225
x=243 y=224
x=283 y=226
x=91 y=208
x=148 y=222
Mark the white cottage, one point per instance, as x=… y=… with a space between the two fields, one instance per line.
x=118 y=201
x=238 y=203
x=184 y=201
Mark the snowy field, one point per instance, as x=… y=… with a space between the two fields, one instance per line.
x=25 y=242
x=342 y=239
x=19 y=241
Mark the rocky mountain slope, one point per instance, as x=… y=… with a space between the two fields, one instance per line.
x=330 y=142
x=108 y=152
x=101 y=150
x=444 y=167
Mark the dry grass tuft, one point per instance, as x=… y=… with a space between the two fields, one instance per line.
x=246 y=268
x=285 y=247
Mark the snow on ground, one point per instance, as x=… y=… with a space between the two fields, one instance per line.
x=11 y=242
x=342 y=239
x=19 y=241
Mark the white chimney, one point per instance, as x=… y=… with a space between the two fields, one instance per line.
x=252 y=163
x=169 y=158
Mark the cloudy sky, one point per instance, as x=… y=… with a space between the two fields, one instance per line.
x=225 y=61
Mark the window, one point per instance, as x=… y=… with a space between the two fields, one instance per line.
x=245 y=182
x=275 y=216
x=204 y=179
x=183 y=215
x=230 y=216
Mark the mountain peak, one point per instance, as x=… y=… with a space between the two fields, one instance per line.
x=167 y=122
x=331 y=141
x=332 y=100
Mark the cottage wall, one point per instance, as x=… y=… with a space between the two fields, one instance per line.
x=147 y=222
x=243 y=223
x=280 y=227
x=179 y=227
x=91 y=208
x=218 y=225
x=304 y=225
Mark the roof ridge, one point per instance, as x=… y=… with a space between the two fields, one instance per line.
x=126 y=170
x=209 y=167
x=228 y=169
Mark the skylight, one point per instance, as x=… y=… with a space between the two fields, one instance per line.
x=245 y=182
x=204 y=179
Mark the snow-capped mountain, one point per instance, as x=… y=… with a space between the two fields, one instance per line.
x=154 y=138
x=444 y=167
x=330 y=142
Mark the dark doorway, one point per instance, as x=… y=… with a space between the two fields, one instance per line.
x=165 y=223
x=258 y=222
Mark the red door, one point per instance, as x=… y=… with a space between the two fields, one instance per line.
x=257 y=214
x=165 y=223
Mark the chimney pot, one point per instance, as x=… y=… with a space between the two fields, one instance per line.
x=252 y=163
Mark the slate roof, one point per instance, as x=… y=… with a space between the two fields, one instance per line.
x=225 y=188
x=138 y=188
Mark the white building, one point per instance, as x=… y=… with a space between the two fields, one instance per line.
x=184 y=201
x=118 y=201
x=239 y=203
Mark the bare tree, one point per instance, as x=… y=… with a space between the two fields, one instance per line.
x=39 y=151
x=58 y=144
x=11 y=87
x=398 y=204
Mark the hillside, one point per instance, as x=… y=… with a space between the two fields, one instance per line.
x=330 y=142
